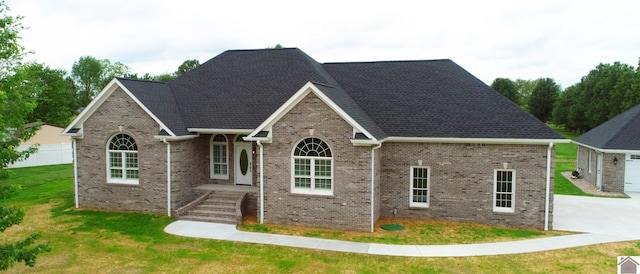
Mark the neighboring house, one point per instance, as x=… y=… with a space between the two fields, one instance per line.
x=334 y=145
x=609 y=155
x=53 y=149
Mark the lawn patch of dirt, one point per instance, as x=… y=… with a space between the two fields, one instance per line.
x=423 y=232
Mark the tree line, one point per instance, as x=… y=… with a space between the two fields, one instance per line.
x=606 y=91
x=59 y=95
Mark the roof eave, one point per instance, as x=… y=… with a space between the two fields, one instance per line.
x=607 y=150
x=219 y=131
x=515 y=141
x=176 y=138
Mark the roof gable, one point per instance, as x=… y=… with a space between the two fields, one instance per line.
x=75 y=128
x=320 y=91
x=619 y=133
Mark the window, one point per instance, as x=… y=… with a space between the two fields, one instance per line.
x=589 y=162
x=419 y=187
x=312 y=166
x=122 y=160
x=505 y=186
x=219 y=159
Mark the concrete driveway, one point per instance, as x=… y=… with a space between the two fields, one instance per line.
x=610 y=216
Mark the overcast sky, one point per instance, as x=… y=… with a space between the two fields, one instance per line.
x=563 y=40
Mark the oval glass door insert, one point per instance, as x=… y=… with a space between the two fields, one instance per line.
x=244 y=162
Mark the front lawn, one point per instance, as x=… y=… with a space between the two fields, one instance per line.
x=565 y=160
x=87 y=241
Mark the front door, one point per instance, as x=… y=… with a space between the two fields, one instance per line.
x=243 y=163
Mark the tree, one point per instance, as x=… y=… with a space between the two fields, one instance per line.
x=542 y=99
x=21 y=251
x=16 y=103
x=87 y=72
x=112 y=70
x=187 y=66
x=54 y=95
x=165 y=77
x=562 y=107
x=525 y=88
x=607 y=92
x=507 y=88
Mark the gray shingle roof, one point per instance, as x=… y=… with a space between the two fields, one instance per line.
x=435 y=98
x=157 y=97
x=240 y=89
x=621 y=132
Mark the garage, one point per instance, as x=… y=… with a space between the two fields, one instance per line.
x=616 y=143
x=632 y=173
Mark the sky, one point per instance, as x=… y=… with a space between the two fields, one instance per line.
x=562 y=40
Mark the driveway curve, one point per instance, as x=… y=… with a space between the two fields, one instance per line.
x=609 y=216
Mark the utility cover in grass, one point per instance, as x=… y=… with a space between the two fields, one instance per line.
x=392 y=227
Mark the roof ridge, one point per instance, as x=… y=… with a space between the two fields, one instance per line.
x=388 y=61
x=140 y=80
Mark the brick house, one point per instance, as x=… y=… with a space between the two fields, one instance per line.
x=608 y=156
x=334 y=145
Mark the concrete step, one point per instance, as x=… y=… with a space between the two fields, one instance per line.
x=219 y=203
x=210 y=213
x=210 y=219
x=218 y=207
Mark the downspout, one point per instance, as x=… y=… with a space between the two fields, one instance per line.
x=373 y=183
x=168 y=176
x=75 y=172
x=547 y=189
x=261 y=182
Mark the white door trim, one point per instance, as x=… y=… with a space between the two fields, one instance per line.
x=599 y=171
x=243 y=175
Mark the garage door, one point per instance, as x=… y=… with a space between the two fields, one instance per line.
x=632 y=173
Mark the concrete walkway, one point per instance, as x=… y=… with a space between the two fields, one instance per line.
x=596 y=222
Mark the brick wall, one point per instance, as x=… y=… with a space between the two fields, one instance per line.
x=150 y=195
x=349 y=207
x=186 y=166
x=462 y=182
x=612 y=174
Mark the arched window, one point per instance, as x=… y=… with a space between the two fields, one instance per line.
x=219 y=157
x=312 y=166
x=122 y=160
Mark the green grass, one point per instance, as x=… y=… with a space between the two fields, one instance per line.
x=89 y=241
x=416 y=232
x=565 y=161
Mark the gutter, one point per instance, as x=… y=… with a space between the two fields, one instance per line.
x=75 y=172
x=168 y=176
x=452 y=140
x=373 y=173
x=547 y=188
x=261 y=182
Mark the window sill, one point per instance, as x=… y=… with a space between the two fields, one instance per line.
x=315 y=194
x=504 y=210
x=123 y=183
x=418 y=206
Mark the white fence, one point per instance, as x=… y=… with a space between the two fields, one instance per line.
x=49 y=154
